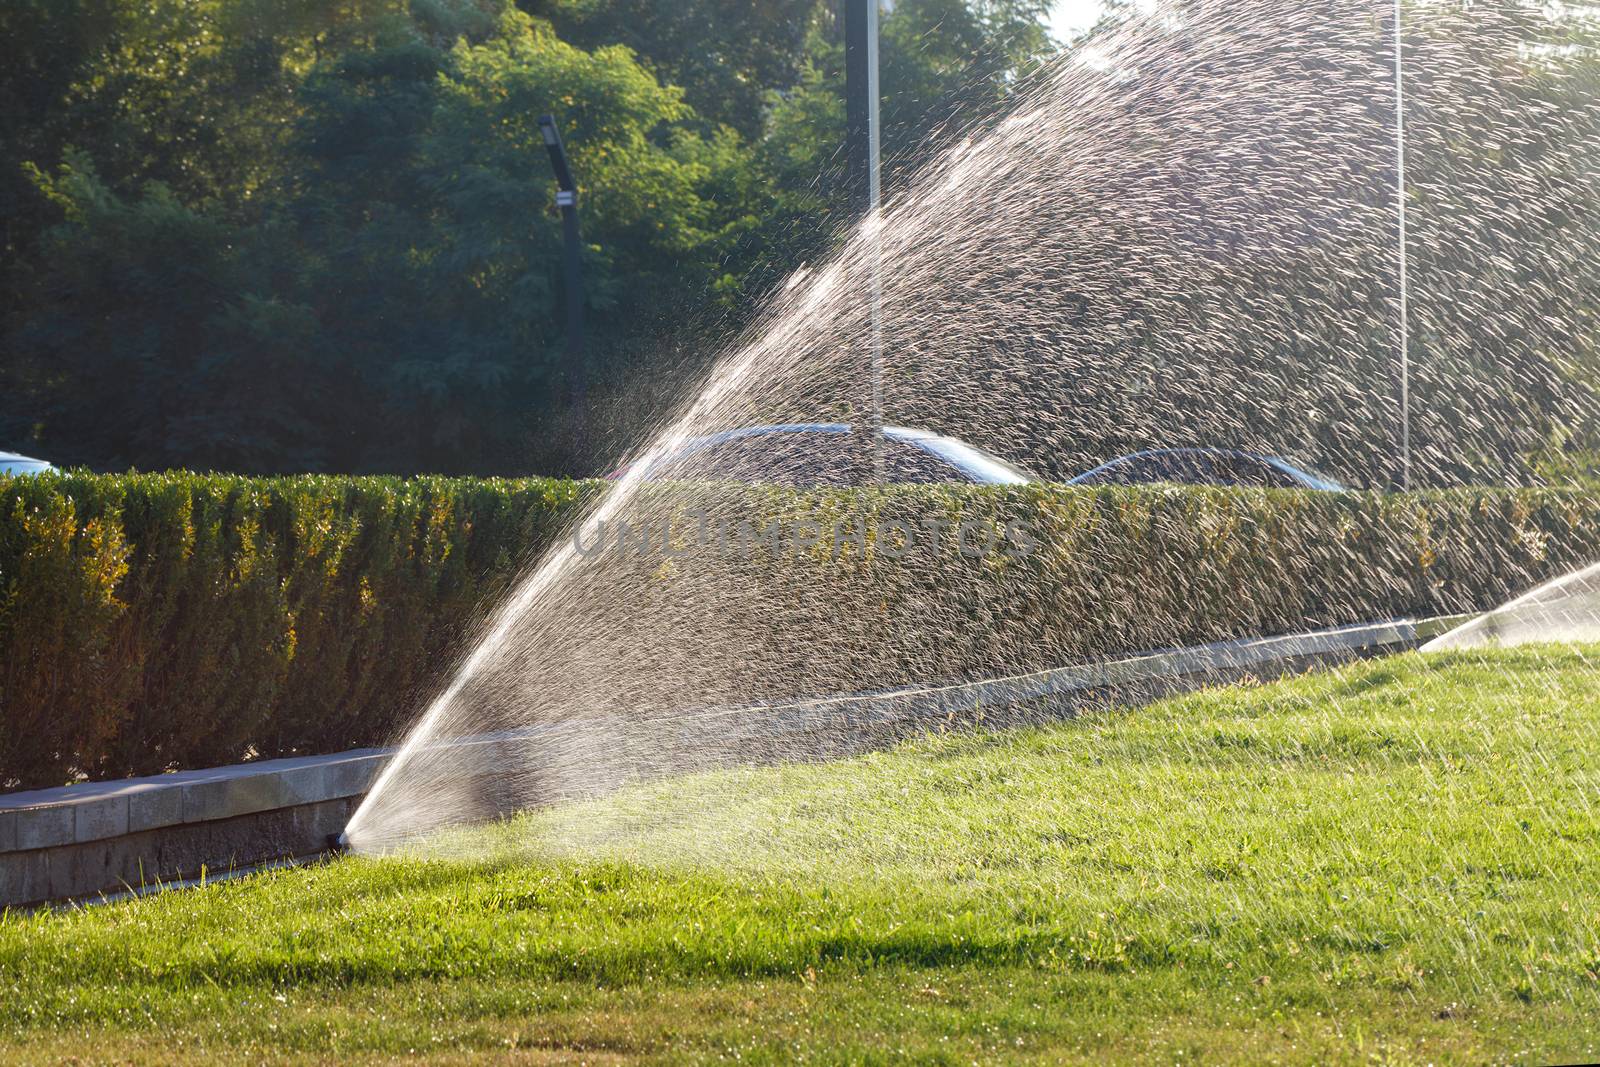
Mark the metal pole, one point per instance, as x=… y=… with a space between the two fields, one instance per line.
x=861 y=103
x=1404 y=274
x=567 y=200
x=862 y=152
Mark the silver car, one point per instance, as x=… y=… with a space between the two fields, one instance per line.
x=829 y=454
x=11 y=463
x=1206 y=466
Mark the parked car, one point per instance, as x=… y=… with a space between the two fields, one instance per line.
x=1205 y=466
x=11 y=463
x=829 y=454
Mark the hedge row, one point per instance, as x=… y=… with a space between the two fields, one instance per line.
x=150 y=622
x=156 y=621
x=1114 y=571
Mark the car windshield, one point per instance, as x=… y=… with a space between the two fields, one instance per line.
x=1321 y=480
x=980 y=465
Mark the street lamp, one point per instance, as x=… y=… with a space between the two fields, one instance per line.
x=1404 y=279
x=861 y=151
x=567 y=201
x=861 y=104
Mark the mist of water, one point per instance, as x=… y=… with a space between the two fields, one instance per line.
x=1187 y=236
x=1564 y=609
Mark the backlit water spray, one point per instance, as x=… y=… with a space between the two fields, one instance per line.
x=1564 y=609
x=1186 y=234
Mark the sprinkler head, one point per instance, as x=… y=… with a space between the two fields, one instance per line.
x=339 y=842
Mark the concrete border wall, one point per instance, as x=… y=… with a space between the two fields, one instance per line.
x=110 y=837
x=81 y=840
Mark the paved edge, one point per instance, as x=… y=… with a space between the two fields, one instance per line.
x=114 y=836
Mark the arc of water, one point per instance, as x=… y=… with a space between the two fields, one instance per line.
x=1489 y=628
x=532 y=588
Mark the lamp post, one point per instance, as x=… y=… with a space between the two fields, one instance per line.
x=861 y=104
x=567 y=201
x=1403 y=266
x=862 y=153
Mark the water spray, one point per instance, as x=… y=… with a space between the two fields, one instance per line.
x=1178 y=242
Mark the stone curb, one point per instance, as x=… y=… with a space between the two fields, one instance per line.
x=96 y=811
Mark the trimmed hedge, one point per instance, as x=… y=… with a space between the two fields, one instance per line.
x=1116 y=571
x=157 y=621
x=150 y=622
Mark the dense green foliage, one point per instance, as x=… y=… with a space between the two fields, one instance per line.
x=288 y=235
x=1386 y=864
x=156 y=621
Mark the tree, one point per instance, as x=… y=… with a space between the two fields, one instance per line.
x=430 y=197
x=294 y=234
x=728 y=55
x=390 y=305
x=198 y=351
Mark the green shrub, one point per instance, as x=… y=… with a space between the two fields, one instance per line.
x=65 y=681
x=1116 y=571
x=156 y=621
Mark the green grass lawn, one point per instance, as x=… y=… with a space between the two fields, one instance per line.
x=1395 y=863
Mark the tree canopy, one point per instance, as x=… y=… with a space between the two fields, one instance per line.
x=277 y=235
x=286 y=235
